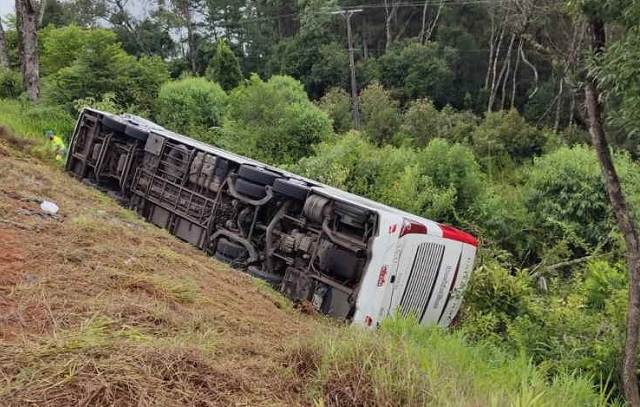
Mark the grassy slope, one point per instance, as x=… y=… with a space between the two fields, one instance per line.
x=103 y=309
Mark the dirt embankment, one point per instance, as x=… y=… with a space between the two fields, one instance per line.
x=98 y=308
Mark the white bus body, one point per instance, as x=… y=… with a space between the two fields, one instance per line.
x=352 y=258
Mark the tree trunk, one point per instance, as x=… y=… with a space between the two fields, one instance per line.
x=626 y=223
x=191 y=38
x=41 y=10
x=434 y=23
x=27 y=23
x=514 y=83
x=4 y=51
x=390 y=15
x=494 y=73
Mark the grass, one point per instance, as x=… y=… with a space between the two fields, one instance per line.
x=404 y=364
x=103 y=309
x=33 y=121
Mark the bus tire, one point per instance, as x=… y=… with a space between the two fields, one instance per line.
x=113 y=124
x=227 y=250
x=257 y=175
x=136 y=132
x=291 y=189
x=249 y=189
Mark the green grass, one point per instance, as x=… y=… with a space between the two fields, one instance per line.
x=33 y=120
x=404 y=364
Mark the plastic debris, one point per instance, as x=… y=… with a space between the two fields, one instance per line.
x=49 y=207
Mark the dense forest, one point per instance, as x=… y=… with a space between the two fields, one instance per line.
x=471 y=112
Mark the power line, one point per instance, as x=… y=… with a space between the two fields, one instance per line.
x=378 y=6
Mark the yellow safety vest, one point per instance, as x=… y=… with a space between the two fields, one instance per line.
x=58 y=148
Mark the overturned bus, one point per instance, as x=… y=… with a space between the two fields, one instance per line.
x=352 y=258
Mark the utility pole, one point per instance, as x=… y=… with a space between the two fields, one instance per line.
x=352 y=66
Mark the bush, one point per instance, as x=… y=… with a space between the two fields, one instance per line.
x=60 y=47
x=405 y=364
x=273 y=121
x=504 y=138
x=224 y=67
x=380 y=117
x=422 y=122
x=190 y=106
x=416 y=70
x=337 y=104
x=10 y=84
x=440 y=182
x=101 y=67
x=564 y=193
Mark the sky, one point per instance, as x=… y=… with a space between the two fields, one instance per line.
x=136 y=7
x=6 y=7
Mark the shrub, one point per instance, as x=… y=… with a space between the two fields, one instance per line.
x=60 y=47
x=505 y=137
x=10 y=84
x=422 y=122
x=337 y=104
x=224 y=67
x=273 y=121
x=380 y=117
x=103 y=67
x=416 y=70
x=190 y=106
x=406 y=364
x=564 y=191
x=442 y=181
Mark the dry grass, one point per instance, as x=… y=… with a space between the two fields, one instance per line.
x=99 y=308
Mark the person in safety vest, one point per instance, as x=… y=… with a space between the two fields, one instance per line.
x=57 y=146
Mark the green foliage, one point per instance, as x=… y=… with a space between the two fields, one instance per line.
x=60 y=47
x=318 y=64
x=337 y=104
x=576 y=326
x=33 y=120
x=443 y=181
x=618 y=71
x=107 y=104
x=422 y=122
x=190 y=106
x=380 y=117
x=273 y=121
x=10 y=84
x=100 y=67
x=504 y=137
x=565 y=192
x=495 y=297
x=224 y=67
x=416 y=70
x=405 y=364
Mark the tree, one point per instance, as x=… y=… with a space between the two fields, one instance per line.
x=185 y=11
x=27 y=23
x=337 y=104
x=273 y=121
x=415 y=70
x=380 y=116
x=190 y=106
x=224 y=67
x=626 y=220
x=4 y=50
x=100 y=66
